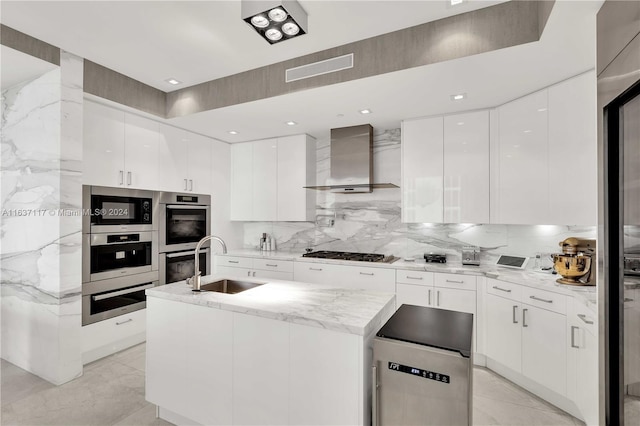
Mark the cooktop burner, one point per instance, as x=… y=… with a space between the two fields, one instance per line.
x=343 y=255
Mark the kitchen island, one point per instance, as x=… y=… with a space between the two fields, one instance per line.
x=280 y=353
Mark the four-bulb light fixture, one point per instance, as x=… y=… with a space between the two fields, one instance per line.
x=276 y=21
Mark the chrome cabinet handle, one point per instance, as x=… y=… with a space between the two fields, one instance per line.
x=414 y=278
x=583 y=317
x=315 y=269
x=121 y=177
x=254 y=273
x=540 y=300
x=573 y=338
x=366 y=273
x=374 y=396
x=128 y=178
x=502 y=289
x=438 y=298
x=271 y=264
x=429 y=296
x=628 y=299
x=233 y=261
x=124 y=322
x=185 y=184
x=190 y=184
x=248 y=273
x=524 y=318
x=515 y=318
x=457 y=282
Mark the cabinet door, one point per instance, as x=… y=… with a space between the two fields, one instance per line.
x=208 y=359
x=326 y=377
x=523 y=183
x=260 y=371
x=572 y=135
x=199 y=164
x=172 y=156
x=265 y=180
x=296 y=169
x=455 y=300
x=409 y=294
x=587 y=377
x=142 y=137
x=276 y=275
x=503 y=336
x=422 y=170
x=231 y=272
x=544 y=353
x=242 y=181
x=103 y=146
x=466 y=168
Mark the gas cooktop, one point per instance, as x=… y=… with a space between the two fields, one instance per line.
x=343 y=255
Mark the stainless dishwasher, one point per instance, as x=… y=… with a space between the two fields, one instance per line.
x=423 y=368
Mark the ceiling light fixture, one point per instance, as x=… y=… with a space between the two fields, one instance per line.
x=291 y=123
x=365 y=111
x=173 y=81
x=456 y=2
x=275 y=20
x=458 y=97
x=232 y=132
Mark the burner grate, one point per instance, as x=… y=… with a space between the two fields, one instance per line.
x=343 y=255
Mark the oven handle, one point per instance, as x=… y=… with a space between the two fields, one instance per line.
x=121 y=292
x=187 y=207
x=185 y=253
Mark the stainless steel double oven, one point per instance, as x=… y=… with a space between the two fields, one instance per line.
x=184 y=220
x=120 y=251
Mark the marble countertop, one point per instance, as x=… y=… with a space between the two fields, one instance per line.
x=349 y=311
x=528 y=277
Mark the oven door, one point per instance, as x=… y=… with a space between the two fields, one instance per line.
x=182 y=226
x=120 y=254
x=114 y=302
x=178 y=266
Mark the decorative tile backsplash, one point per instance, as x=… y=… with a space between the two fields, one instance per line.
x=371 y=222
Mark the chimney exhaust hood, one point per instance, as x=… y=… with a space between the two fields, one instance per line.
x=352 y=161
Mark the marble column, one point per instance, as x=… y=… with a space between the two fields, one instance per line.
x=40 y=229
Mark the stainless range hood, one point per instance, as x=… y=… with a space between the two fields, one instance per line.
x=352 y=161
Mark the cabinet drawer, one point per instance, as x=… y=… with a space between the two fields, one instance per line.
x=315 y=273
x=414 y=277
x=545 y=299
x=376 y=279
x=462 y=282
x=234 y=261
x=504 y=289
x=585 y=317
x=273 y=265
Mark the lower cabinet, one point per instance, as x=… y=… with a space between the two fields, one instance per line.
x=112 y=335
x=236 y=266
x=352 y=277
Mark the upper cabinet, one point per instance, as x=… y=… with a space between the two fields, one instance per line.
x=545 y=156
x=445 y=169
x=268 y=176
x=185 y=161
x=120 y=149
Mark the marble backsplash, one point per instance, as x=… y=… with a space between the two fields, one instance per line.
x=371 y=222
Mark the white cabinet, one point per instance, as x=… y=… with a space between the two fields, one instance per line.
x=260 y=363
x=267 y=179
x=352 y=277
x=445 y=169
x=112 y=335
x=314 y=273
x=422 y=170
x=466 y=168
x=545 y=140
x=237 y=266
x=185 y=161
x=189 y=354
x=524 y=337
x=120 y=149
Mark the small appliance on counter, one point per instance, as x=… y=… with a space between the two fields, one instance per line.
x=471 y=255
x=576 y=263
x=435 y=258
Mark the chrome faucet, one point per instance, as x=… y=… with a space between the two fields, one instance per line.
x=194 y=281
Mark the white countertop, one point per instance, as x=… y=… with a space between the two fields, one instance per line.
x=543 y=280
x=350 y=311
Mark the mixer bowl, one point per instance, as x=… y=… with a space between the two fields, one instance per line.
x=572 y=267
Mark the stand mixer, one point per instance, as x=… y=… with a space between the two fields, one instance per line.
x=576 y=264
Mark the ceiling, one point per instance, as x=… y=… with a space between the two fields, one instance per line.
x=17 y=67
x=201 y=41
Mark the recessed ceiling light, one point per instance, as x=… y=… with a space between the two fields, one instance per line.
x=173 y=81
x=460 y=123
x=365 y=111
x=277 y=14
x=458 y=97
x=290 y=29
x=527 y=131
x=278 y=22
x=541 y=109
x=456 y=2
x=232 y=132
x=273 y=34
x=291 y=123
x=260 y=21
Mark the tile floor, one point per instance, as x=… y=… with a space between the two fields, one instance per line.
x=111 y=392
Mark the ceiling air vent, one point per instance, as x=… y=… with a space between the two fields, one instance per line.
x=319 y=68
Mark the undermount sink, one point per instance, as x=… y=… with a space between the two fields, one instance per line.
x=229 y=286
